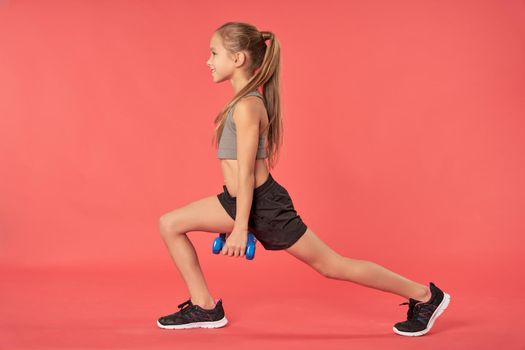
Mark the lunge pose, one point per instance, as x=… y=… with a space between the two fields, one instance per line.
x=249 y=133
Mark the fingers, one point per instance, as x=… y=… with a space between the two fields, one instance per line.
x=233 y=251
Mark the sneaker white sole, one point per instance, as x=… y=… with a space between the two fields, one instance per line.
x=439 y=310
x=210 y=324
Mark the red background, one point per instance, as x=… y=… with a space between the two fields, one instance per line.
x=404 y=145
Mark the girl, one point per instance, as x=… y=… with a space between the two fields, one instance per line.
x=249 y=130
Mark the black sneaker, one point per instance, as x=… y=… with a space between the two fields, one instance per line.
x=194 y=316
x=421 y=316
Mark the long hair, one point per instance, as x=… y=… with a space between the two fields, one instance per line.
x=264 y=65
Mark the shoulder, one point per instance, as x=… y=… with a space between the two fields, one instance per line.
x=248 y=109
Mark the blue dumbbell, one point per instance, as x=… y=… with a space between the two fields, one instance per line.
x=219 y=242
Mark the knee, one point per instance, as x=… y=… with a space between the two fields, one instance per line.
x=168 y=224
x=343 y=268
x=332 y=268
x=326 y=273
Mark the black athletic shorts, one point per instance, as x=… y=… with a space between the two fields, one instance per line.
x=273 y=219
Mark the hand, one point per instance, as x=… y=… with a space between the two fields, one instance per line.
x=236 y=242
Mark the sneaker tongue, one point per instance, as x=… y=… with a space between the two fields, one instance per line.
x=414 y=301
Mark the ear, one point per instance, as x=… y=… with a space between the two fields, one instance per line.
x=239 y=58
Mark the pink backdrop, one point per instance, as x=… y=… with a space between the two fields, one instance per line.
x=404 y=145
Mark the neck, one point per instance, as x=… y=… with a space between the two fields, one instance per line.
x=238 y=83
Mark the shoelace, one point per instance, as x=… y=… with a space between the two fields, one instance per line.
x=183 y=309
x=411 y=309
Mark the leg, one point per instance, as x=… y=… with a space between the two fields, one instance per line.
x=206 y=214
x=314 y=252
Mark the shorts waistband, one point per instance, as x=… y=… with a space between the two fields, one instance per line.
x=258 y=191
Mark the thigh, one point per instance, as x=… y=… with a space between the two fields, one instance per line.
x=313 y=251
x=206 y=214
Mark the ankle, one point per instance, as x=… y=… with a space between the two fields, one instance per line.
x=205 y=303
x=425 y=295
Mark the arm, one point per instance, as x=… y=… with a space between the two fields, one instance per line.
x=246 y=117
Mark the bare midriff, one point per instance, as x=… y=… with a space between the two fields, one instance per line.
x=229 y=172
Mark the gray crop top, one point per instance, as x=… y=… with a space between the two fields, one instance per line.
x=228 y=141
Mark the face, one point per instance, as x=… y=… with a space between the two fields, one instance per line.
x=221 y=63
